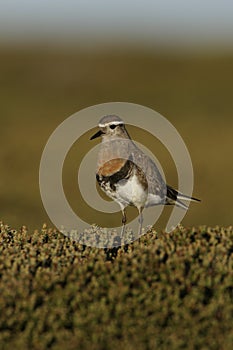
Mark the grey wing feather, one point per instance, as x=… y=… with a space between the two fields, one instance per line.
x=156 y=184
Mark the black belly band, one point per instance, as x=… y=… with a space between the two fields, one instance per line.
x=123 y=174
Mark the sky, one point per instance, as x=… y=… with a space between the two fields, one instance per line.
x=148 y=21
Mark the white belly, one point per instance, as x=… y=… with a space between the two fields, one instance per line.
x=153 y=199
x=132 y=192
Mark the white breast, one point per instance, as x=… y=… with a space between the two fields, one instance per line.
x=132 y=191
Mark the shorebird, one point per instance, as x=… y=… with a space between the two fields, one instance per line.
x=127 y=175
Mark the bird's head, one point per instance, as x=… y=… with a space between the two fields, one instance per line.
x=111 y=126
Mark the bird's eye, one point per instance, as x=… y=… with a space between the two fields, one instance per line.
x=112 y=126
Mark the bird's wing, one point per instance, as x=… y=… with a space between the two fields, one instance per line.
x=156 y=184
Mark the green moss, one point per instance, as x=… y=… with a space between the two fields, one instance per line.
x=165 y=291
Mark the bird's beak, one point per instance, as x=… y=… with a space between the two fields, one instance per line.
x=98 y=134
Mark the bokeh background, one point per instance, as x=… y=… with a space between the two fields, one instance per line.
x=56 y=58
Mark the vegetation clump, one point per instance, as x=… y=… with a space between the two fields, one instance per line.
x=163 y=291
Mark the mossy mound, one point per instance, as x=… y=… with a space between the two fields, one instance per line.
x=164 y=291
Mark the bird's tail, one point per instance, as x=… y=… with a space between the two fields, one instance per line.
x=176 y=197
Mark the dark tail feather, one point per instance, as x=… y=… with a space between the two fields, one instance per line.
x=174 y=197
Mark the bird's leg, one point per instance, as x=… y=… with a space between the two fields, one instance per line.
x=123 y=221
x=140 y=220
x=123 y=217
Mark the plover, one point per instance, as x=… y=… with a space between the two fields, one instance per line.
x=128 y=175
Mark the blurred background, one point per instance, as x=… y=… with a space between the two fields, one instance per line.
x=57 y=57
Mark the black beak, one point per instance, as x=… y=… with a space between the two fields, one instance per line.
x=98 y=134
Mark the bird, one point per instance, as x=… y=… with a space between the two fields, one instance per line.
x=127 y=175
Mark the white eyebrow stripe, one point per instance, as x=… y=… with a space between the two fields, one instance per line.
x=110 y=123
